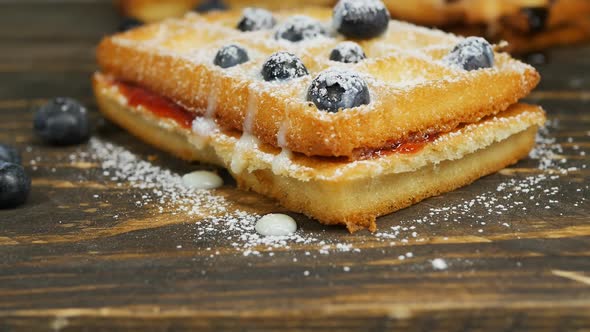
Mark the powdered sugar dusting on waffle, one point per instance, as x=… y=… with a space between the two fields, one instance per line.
x=346 y=80
x=403 y=62
x=245 y=152
x=286 y=57
x=351 y=52
x=258 y=18
x=423 y=44
x=308 y=27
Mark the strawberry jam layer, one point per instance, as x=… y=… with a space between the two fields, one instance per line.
x=161 y=107
x=412 y=145
x=165 y=108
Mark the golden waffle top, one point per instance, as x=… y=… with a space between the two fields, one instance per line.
x=407 y=80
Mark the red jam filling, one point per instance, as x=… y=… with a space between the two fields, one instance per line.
x=412 y=145
x=159 y=106
x=167 y=109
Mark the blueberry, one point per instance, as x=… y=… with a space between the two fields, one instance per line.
x=472 y=53
x=230 y=55
x=283 y=66
x=15 y=185
x=129 y=23
x=348 y=52
x=210 y=5
x=62 y=121
x=254 y=19
x=361 y=19
x=9 y=154
x=537 y=18
x=333 y=90
x=299 y=27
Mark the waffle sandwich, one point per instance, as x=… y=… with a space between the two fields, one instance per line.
x=343 y=131
x=527 y=25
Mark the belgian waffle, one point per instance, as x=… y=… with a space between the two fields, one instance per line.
x=442 y=13
x=403 y=66
x=527 y=25
x=156 y=10
x=430 y=127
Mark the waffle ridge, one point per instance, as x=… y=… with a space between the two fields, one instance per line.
x=413 y=90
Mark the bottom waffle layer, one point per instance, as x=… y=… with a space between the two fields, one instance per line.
x=353 y=193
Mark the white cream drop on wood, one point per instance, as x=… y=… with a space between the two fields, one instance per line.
x=276 y=225
x=439 y=264
x=202 y=180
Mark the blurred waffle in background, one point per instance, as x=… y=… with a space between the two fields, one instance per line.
x=155 y=10
x=527 y=25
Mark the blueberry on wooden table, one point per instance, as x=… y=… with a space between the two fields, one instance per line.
x=537 y=17
x=282 y=66
x=9 y=154
x=360 y=19
x=15 y=185
x=333 y=90
x=129 y=23
x=62 y=121
x=472 y=53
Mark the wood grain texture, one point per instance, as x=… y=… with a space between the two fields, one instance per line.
x=67 y=264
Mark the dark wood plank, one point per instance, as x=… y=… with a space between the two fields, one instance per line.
x=81 y=255
x=56 y=21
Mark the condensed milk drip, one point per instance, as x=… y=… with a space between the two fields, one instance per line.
x=205 y=126
x=202 y=180
x=212 y=100
x=282 y=161
x=247 y=141
x=276 y=225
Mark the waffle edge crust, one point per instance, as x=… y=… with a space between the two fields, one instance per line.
x=353 y=194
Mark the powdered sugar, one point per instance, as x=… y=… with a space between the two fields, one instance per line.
x=163 y=191
x=254 y=19
x=348 y=52
x=216 y=218
x=497 y=206
x=471 y=53
x=299 y=28
x=337 y=88
x=283 y=66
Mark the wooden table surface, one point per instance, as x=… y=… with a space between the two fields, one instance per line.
x=83 y=254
